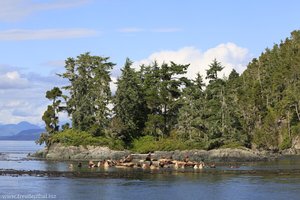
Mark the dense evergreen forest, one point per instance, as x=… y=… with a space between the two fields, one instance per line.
x=158 y=108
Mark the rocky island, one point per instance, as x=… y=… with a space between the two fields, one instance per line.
x=61 y=152
x=158 y=109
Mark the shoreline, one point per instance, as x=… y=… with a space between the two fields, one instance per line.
x=60 y=152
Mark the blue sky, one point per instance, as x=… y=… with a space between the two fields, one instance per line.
x=36 y=36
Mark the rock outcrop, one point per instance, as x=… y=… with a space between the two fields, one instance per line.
x=216 y=155
x=296 y=143
x=61 y=152
x=295 y=149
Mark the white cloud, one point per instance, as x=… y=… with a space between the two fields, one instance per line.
x=14 y=10
x=44 y=34
x=25 y=109
x=22 y=96
x=13 y=80
x=229 y=54
x=113 y=85
x=18 y=105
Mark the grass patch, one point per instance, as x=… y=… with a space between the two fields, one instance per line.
x=233 y=145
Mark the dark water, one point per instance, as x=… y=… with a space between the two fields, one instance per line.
x=153 y=186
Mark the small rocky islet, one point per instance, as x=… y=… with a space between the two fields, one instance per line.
x=85 y=153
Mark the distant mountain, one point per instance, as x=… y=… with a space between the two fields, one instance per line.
x=14 y=129
x=30 y=134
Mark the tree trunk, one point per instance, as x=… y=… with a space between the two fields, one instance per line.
x=165 y=120
x=297 y=111
x=222 y=110
x=288 y=123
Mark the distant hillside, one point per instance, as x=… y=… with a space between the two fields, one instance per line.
x=14 y=129
x=30 y=134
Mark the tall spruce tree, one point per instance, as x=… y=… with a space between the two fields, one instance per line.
x=129 y=103
x=215 y=105
x=212 y=72
x=234 y=132
x=163 y=88
x=89 y=92
x=191 y=125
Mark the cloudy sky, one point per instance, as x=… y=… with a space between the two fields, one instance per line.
x=36 y=36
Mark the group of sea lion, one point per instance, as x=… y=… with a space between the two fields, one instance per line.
x=147 y=163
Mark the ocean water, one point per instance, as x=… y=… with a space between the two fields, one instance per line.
x=152 y=186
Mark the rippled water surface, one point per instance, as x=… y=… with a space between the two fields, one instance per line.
x=153 y=186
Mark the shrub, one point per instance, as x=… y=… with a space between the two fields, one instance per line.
x=144 y=144
x=233 y=145
x=149 y=144
x=71 y=137
x=214 y=143
x=286 y=143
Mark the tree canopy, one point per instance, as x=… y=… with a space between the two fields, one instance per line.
x=259 y=108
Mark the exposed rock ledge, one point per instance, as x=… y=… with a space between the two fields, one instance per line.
x=60 y=152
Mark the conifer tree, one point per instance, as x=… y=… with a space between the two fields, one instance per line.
x=50 y=116
x=163 y=88
x=215 y=105
x=129 y=103
x=191 y=125
x=89 y=92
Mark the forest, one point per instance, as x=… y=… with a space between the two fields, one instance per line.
x=158 y=108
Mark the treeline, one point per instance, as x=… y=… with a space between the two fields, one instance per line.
x=158 y=108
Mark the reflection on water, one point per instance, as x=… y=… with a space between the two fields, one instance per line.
x=175 y=185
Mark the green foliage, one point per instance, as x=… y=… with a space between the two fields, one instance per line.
x=295 y=130
x=215 y=143
x=50 y=119
x=44 y=138
x=286 y=143
x=154 y=125
x=157 y=108
x=71 y=137
x=144 y=144
x=191 y=125
x=50 y=116
x=149 y=143
x=171 y=144
x=89 y=91
x=53 y=94
x=162 y=87
x=270 y=101
x=130 y=104
x=233 y=145
x=212 y=72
